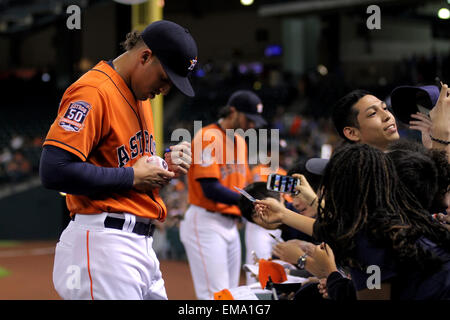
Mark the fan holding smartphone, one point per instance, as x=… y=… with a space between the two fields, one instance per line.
x=296 y=184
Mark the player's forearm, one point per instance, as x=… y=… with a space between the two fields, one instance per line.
x=298 y=221
x=60 y=171
x=213 y=190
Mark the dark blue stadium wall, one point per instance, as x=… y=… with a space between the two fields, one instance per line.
x=34 y=214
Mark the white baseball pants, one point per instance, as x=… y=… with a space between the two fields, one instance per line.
x=94 y=262
x=213 y=249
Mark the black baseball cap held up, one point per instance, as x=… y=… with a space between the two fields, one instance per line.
x=407 y=100
x=250 y=104
x=176 y=49
x=316 y=165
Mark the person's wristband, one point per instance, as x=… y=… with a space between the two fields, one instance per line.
x=439 y=140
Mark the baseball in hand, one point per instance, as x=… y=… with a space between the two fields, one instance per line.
x=158 y=161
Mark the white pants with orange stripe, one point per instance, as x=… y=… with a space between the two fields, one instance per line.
x=213 y=249
x=94 y=262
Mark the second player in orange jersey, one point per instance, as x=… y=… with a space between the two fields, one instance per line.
x=209 y=230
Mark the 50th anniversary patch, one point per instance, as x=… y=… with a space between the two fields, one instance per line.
x=75 y=115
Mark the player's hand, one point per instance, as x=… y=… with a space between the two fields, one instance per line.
x=422 y=124
x=179 y=158
x=304 y=191
x=270 y=210
x=148 y=176
x=288 y=251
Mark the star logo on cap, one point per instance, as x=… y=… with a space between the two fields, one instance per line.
x=193 y=63
x=259 y=108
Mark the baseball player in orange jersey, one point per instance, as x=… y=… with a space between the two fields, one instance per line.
x=97 y=151
x=209 y=230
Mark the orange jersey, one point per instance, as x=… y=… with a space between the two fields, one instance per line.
x=101 y=122
x=210 y=146
x=257 y=174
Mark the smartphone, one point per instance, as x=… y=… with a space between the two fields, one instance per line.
x=280 y=183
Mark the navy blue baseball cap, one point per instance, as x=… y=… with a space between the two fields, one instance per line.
x=316 y=165
x=407 y=100
x=250 y=104
x=175 y=49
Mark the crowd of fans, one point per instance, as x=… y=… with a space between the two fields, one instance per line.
x=299 y=107
x=27 y=109
x=382 y=204
x=19 y=159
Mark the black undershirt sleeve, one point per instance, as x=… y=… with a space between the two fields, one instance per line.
x=63 y=171
x=214 y=190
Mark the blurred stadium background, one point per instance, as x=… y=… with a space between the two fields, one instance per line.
x=299 y=56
